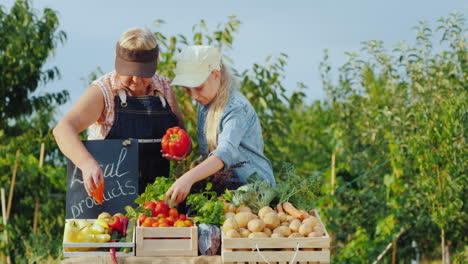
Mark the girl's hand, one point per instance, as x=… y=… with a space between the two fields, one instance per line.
x=173 y=158
x=179 y=191
x=92 y=176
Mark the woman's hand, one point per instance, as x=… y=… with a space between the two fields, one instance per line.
x=173 y=158
x=179 y=190
x=92 y=176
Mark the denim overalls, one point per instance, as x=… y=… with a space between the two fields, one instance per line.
x=145 y=118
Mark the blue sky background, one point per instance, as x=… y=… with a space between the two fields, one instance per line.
x=301 y=29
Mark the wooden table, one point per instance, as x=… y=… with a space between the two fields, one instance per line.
x=145 y=260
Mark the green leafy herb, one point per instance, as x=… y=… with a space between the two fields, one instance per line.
x=155 y=191
x=208 y=208
x=257 y=193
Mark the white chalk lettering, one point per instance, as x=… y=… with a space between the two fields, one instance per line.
x=129 y=186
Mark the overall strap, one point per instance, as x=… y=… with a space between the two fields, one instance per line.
x=123 y=97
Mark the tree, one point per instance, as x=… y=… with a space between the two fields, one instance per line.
x=27 y=42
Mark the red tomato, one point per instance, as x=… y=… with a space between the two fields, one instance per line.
x=173 y=212
x=162 y=215
x=142 y=217
x=150 y=206
x=170 y=220
x=163 y=221
x=148 y=220
x=155 y=224
x=188 y=223
x=161 y=208
x=164 y=225
x=182 y=217
x=175 y=142
x=145 y=225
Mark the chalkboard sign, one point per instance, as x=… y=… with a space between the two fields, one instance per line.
x=119 y=163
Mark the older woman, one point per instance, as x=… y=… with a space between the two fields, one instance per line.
x=130 y=102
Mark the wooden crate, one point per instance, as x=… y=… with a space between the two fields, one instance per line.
x=166 y=241
x=100 y=246
x=277 y=250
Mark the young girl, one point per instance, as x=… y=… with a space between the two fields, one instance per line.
x=229 y=131
x=130 y=102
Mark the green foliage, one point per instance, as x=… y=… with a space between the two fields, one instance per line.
x=27 y=42
x=155 y=191
x=207 y=208
x=395 y=120
x=406 y=107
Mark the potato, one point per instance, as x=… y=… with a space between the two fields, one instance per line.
x=244 y=232
x=312 y=220
x=230 y=223
x=243 y=208
x=243 y=218
x=104 y=215
x=319 y=229
x=305 y=229
x=290 y=218
x=295 y=224
x=229 y=215
x=276 y=235
x=267 y=231
x=285 y=224
x=257 y=235
x=315 y=234
x=231 y=233
x=283 y=216
x=264 y=211
x=271 y=220
x=283 y=230
x=256 y=225
x=229 y=207
x=296 y=235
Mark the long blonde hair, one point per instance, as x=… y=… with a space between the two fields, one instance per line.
x=216 y=108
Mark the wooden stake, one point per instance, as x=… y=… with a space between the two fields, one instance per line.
x=41 y=155
x=36 y=209
x=333 y=175
x=12 y=185
x=2 y=193
x=394 y=252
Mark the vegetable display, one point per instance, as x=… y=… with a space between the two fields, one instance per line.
x=271 y=223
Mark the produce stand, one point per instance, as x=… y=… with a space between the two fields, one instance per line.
x=146 y=260
x=277 y=250
x=100 y=247
x=166 y=241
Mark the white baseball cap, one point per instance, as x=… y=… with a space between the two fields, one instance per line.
x=195 y=64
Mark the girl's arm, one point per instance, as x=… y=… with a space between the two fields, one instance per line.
x=86 y=111
x=181 y=188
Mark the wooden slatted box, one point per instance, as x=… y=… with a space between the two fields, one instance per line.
x=101 y=247
x=166 y=241
x=277 y=250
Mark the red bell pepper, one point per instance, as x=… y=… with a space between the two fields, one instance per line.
x=175 y=142
x=98 y=193
x=115 y=223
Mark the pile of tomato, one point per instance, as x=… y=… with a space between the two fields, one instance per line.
x=163 y=216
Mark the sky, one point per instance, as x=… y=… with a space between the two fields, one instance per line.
x=300 y=29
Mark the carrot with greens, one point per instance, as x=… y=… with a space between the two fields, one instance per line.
x=291 y=210
x=279 y=208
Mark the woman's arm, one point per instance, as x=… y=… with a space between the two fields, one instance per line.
x=84 y=113
x=181 y=188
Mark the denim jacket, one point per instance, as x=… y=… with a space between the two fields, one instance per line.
x=240 y=139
